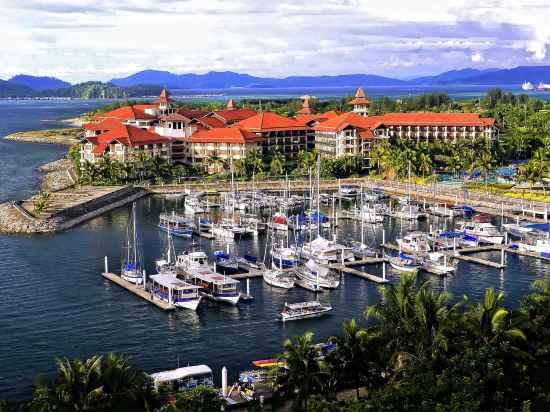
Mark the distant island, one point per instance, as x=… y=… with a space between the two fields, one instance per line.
x=150 y=82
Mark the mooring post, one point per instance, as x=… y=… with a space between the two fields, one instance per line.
x=144 y=280
x=505 y=238
x=383 y=237
x=384 y=270
x=248 y=286
x=106 y=264
x=502 y=257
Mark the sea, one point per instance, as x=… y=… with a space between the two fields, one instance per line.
x=55 y=303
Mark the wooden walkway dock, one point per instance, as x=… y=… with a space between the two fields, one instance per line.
x=138 y=291
x=480 y=261
x=358 y=273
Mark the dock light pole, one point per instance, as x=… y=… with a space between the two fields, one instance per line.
x=224 y=382
x=106 y=264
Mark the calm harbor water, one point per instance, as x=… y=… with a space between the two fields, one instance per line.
x=54 y=301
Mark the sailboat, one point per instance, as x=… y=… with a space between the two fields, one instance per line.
x=167 y=264
x=360 y=248
x=132 y=268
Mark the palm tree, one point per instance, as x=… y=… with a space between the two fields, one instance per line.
x=302 y=370
x=239 y=167
x=424 y=163
x=159 y=168
x=216 y=162
x=396 y=315
x=488 y=322
x=349 y=357
x=277 y=164
x=254 y=162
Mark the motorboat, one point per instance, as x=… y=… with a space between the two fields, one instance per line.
x=224 y=263
x=409 y=212
x=303 y=310
x=132 y=267
x=416 y=242
x=485 y=232
x=193 y=205
x=174 y=291
x=536 y=240
x=279 y=222
x=214 y=286
x=446 y=211
x=362 y=250
x=248 y=262
x=348 y=190
x=439 y=263
x=284 y=257
x=326 y=251
x=176 y=225
x=278 y=278
x=183 y=379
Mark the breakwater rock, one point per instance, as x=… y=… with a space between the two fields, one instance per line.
x=66 y=136
x=59 y=175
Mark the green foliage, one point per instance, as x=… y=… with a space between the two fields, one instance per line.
x=200 y=399
x=41 y=202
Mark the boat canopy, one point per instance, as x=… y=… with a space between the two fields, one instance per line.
x=214 y=278
x=318 y=217
x=181 y=373
x=220 y=254
x=171 y=282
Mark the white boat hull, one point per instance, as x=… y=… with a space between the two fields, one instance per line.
x=136 y=279
x=189 y=304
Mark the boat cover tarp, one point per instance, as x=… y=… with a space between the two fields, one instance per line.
x=220 y=254
x=318 y=217
x=541 y=227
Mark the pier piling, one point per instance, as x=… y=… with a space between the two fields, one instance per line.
x=106 y=264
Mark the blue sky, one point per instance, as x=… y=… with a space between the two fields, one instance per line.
x=80 y=40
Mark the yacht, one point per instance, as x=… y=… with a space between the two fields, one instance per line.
x=193 y=205
x=485 y=232
x=416 y=242
x=409 y=212
x=303 y=310
x=284 y=257
x=175 y=224
x=314 y=273
x=527 y=86
x=279 y=222
x=225 y=263
x=278 y=278
x=174 y=291
x=326 y=251
x=439 y=263
x=132 y=268
x=212 y=285
x=248 y=262
x=348 y=190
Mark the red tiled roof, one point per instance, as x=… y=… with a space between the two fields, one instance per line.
x=344 y=120
x=211 y=122
x=106 y=124
x=235 y=114
x=268 y=121
x=164 y=97
x=224 y=135
x=145 y=106
x=318 y=117
x=191 y=113
x=435 y=119
x=130 y=136
x=125 y=113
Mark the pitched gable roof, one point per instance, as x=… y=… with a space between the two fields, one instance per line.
x=268 y=121
x=129 y=136
x=124 y=113
x=435 y=119
x=340 y=122
x=233 y=114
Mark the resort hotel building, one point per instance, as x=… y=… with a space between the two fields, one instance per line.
x=194 y=137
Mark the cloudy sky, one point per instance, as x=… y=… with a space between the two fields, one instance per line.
x=81 y=40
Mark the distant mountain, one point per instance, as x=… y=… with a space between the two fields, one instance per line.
x=225 y=80
x=8 y=89
x=39 y=83
x=517 y=75
x=99 y=90
x=450 y=76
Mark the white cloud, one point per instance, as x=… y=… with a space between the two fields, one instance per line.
x=101 y=39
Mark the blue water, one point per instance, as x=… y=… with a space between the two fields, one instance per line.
x=54 y=301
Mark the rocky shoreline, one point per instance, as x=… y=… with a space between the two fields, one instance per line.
x=66 y=136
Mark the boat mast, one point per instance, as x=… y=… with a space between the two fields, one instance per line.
x=362 y=217
x=318 y=193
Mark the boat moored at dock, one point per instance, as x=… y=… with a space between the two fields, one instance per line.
x=174 y=291
x=176 y=224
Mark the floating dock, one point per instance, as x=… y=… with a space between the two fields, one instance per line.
x=358 y=273
x=480 y=261
x=138 y=291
